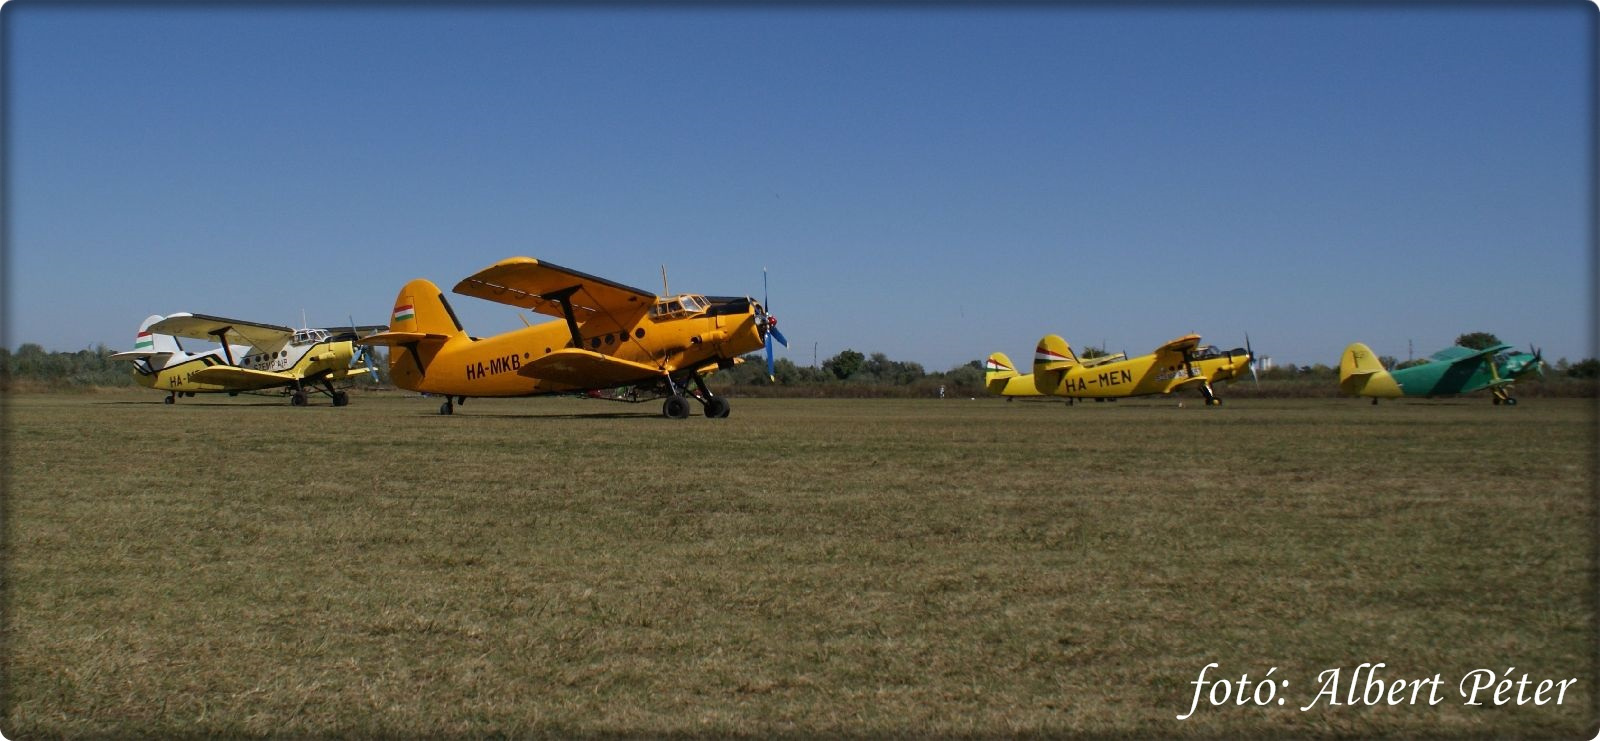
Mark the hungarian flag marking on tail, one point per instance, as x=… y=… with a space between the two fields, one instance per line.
x=404 y=313
x=144 y=341
x=1043 y=354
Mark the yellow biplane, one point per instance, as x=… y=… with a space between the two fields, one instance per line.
x=250 y=357
x=610 y=336
x=1178 y=364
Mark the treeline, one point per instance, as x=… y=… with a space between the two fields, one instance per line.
x=32 y=366
x=848 y=374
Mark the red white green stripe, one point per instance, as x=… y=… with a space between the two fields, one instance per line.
x=145 y=341
x=404 y=313
x=1043 y=354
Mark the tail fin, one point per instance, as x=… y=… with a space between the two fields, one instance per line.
x=1051 y=360
x=421 y=323
x=996 y=371
x=1361 y=374
x=421 y=308
x=151 y=350
x=147 y=341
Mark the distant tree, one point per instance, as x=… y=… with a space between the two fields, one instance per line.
x=1587 y=369
x=845 y=364
x=1412 y=363
x=1388 y=361
x=1478 y=340
x=1091 y=352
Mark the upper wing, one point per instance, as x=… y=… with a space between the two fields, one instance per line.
x=364 y=330
x=585 y=369
x=1459 y=354
x=530 y=284
x=215 y=328
x=1102 y=360
x=1180 y=345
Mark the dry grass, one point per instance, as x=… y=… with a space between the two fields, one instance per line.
x=238 y=567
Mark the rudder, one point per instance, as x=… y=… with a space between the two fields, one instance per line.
x=1361 y=374
x=996 y=371
x=421 y=323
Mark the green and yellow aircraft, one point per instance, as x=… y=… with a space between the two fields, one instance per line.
x=1178 y=364
x=1451 y=371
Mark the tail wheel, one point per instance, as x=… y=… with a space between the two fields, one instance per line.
x=676 y=407
x=717 y=407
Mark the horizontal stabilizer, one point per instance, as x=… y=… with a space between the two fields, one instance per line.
x=137 y=354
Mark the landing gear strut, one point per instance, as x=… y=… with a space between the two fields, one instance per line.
x=450 y=408
x=716 y=407
x=1211 y=396
x=677 y=405
x=1501 y=396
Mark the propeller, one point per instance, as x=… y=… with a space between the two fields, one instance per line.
x=769 y=328
x=1255 y=379
x=365 y=353
x=1538 y=359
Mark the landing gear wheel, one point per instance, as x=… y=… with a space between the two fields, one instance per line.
x=168 y=400
x=298 y=399
x=1214 y=401
x=1511 y=401
x=717 y=407
x=340 y=398
x=676 y=407
x=447 y=407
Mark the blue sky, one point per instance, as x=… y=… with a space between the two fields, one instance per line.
x=934 y=183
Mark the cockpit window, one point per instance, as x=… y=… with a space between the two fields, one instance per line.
x=678 y=307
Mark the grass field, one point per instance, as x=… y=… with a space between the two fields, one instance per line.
x=229 y=567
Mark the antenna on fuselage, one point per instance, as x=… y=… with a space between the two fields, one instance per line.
x=664 y=291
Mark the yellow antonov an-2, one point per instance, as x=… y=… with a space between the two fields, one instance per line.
x=1178 y=364
x=267 y=356
x=612 y=336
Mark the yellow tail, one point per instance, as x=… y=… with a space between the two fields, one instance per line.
x=996 y=370
x=1360 y=373
x=1051 y=360
x=421 y=323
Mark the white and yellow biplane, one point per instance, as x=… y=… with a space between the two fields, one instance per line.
x=609 y=336
x=250 y=356
x=1179 y=364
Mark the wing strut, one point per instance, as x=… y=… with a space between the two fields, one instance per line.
x=222 y=339
x=564 y=297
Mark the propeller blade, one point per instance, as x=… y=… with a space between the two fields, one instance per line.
x=771 y=369
x=772 y=332
x=1255 y=379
